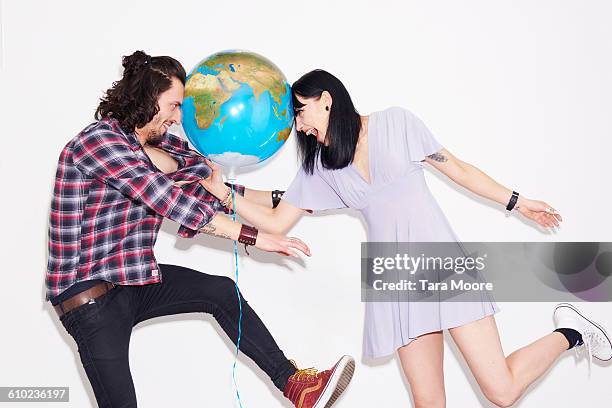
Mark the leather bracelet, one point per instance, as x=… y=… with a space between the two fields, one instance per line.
x=248 y=236
x=512 y=201
x=276 y=197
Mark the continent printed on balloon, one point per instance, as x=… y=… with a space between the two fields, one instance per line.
x=259 y=74
x=209 y=92
x=283 y=135
x=279 y=115
x=227 y=82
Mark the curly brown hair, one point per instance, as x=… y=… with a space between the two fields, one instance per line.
x=133 y=99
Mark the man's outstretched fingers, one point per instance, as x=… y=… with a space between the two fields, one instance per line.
x=299 y=244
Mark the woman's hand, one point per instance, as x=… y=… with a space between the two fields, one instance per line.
x=540 y=212
x=280 y=244
x=214 y=183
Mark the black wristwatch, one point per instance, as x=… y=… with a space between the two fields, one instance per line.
x=276 y=197
x=512 y=201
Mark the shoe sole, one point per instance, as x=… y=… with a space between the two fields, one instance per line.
x=338 y=381
x=560 y=305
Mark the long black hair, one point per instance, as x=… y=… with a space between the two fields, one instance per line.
x=133 y=99
x=344 y=122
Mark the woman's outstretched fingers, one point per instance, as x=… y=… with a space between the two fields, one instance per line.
x=542 y=213
x=553 y=219
x=554 y=213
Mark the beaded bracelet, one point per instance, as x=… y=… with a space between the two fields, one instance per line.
x=225 y=202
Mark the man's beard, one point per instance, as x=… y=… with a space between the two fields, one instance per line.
x=155 y=137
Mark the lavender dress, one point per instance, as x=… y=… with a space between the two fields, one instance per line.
x=398 y=207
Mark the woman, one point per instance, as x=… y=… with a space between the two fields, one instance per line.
x=375 y=164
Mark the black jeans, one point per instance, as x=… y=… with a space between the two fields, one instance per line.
x=102 y=329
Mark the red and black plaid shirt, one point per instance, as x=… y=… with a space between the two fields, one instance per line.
x=109 y=202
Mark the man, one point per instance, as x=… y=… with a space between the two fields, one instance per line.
x=115 y=182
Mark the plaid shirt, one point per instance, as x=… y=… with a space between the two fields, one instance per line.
x=109 y=202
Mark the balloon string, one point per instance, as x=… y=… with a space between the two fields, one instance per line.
x=239 y=299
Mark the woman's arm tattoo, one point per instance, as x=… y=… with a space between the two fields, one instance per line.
x=439 y=157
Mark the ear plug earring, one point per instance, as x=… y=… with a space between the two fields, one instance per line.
x=327 y=108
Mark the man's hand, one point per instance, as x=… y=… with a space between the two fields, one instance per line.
x=281 y=244
x=223 y=227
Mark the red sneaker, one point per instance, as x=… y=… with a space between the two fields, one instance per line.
x=309 y=389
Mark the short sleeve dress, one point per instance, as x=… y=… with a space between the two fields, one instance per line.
x=397 y=207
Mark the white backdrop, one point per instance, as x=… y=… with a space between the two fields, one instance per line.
x=521 y=89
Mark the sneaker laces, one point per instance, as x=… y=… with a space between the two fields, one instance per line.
x=304 y=374
x=592 y=341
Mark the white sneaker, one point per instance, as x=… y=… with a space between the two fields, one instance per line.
x=594 y=337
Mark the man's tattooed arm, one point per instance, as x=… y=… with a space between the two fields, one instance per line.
x=222 y=227
x=439 y=157
x=212 y=230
